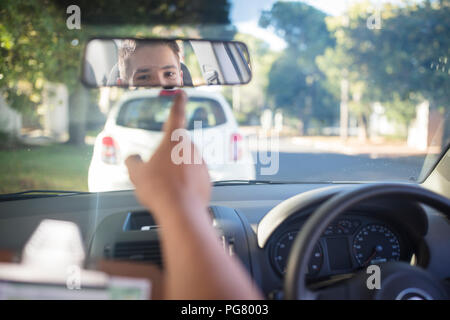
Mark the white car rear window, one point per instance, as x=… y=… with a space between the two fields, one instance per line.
x=150 y=113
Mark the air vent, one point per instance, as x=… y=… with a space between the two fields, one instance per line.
x=139 y=220
x=148 y=251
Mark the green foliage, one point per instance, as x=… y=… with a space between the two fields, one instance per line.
x=296 y=84
x=406 y=57
x=36 y=45
x=405 y=60
x=300 y=89
x=397 y=65
x=402 y=111
x=155 y=12
x=300 y=25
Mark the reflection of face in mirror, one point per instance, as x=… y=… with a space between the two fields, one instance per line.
x=150 y=63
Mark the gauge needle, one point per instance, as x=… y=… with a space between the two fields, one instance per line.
x=371 y=256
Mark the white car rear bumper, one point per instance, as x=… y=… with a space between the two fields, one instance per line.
x=107 y=177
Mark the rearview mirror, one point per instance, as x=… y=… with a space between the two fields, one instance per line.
x=167 y=63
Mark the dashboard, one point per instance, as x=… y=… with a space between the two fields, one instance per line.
x=114 y=226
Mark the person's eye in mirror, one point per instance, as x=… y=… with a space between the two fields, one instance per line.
x=169 y=75
x=142 y=77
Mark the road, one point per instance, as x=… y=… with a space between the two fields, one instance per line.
x=309 y=163
x=303 y=166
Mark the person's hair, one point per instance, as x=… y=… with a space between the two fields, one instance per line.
x=129 y=46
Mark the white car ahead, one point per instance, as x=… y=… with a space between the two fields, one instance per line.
x=134 y=126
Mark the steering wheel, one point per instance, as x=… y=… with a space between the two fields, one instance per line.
x=399 y=280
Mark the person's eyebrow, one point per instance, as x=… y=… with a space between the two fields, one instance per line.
x=169 y=66
x=142 y=70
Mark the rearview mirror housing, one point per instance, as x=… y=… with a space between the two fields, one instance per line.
x=167 y=63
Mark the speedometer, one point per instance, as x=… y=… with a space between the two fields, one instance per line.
x=375 y=244
x=282 y=249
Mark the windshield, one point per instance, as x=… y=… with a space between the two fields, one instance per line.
x=340 y=91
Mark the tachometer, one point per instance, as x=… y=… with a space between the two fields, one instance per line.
x=282 y=249
x=375 y=244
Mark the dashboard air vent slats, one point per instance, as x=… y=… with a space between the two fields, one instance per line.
x=138 y=251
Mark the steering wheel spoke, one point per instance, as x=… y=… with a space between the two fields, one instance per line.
x=337 y=291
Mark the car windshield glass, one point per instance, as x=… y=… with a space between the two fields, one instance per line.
x=340 y=90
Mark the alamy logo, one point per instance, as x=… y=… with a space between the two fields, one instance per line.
x=73 y=280
x=213 y=153
x=374 y=20
x=74 y=20
x=374 y=280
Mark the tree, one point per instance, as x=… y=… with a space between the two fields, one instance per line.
x=300 y=25
x=296 y=84
x=408 y=54
x=399 y=64
x=150 y=13
x=36 y=45
x=338 y=66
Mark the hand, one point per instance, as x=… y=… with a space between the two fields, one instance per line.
x=164 y=186
x=195 y=263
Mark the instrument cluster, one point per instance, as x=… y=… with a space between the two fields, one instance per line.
x=352 y=242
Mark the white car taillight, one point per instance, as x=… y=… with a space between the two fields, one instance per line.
x=109 y=152
x=236 y=148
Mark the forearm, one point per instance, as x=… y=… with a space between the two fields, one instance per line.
x=195 y=263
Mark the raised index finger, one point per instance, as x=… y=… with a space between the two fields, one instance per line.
x=176 y=118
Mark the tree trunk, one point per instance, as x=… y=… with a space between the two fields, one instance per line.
x=343 y=108
x=78 y=106
x=364 y=123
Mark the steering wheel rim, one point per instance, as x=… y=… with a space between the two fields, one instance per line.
x=302 y=248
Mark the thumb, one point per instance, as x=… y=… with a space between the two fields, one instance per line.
x=177 y=113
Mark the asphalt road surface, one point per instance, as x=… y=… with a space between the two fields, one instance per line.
x=319 y=166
